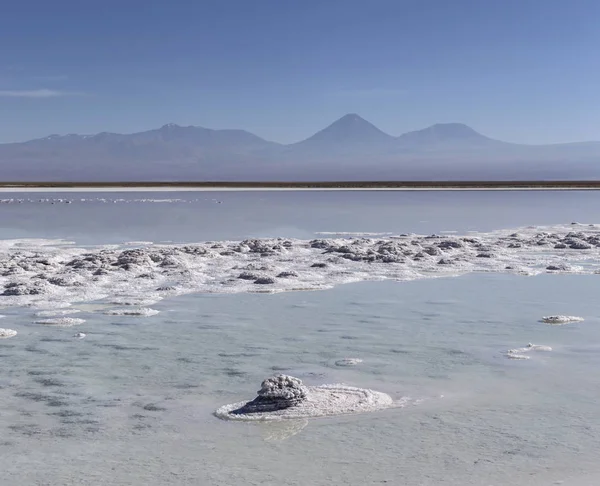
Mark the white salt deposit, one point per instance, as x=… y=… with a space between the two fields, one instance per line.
x=558 y=320
x=348 y=362
x=51 y=273
x=142 y=312
x=321 y=401
x=518 y=353
x=7 y=333
x=61 y=321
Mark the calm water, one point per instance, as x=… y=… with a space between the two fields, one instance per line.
x=132 y=402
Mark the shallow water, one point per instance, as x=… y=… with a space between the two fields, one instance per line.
x=200 y=216
x=132 y=402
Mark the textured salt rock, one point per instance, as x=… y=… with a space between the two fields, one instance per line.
x=7 y=333
x=560 y=267
x=348 y=362
x=142 y=312
x=276 y=393
x=561 y=319
x=287 y=275
x=248 y=276
x=308 y=401
x=61 y=321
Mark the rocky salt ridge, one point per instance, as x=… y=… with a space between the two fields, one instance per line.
x=285 y=397
x=35 y=272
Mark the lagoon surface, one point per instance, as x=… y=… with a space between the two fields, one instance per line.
x=132 y=403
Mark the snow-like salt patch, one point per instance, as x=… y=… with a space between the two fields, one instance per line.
x=142 y=312
x=321 y=401
x=48 y=274
x=558 y=320
x=519 y=353
x=7 y=333
x=61 y=321
x=348 y=362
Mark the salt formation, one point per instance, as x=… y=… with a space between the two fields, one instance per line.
x=286 y=397
x=517 y=353
x=348 y=362
x=276 y=393
x=52 y=273
x=558 y=320
x=61 y=321
x=7 y=333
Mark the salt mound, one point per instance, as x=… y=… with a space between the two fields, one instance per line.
x=142 y=312
x=285 y=397
x=348 y=362
x=7 y=333
x=561 y=319
x=61 y=321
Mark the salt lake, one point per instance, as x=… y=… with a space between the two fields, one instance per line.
x=133 y=402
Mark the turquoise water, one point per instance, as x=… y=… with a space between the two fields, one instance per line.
x=132 y=403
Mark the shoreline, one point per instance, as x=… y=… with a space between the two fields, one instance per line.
x=299 y=186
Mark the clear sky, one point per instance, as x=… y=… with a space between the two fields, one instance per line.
x=518 y=70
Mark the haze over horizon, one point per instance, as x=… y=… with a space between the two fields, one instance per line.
x=517 y=71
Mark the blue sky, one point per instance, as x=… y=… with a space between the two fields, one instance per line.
x=518 y=70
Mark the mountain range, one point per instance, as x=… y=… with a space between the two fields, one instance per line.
x=349 y=149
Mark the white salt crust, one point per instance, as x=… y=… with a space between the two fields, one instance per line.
x=321 y=401
x=7 y=333
x=52 y=274
x=61 y=321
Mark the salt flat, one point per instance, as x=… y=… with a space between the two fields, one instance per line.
x=134 y=400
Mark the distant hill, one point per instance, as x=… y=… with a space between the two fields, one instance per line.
x=351 y=148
